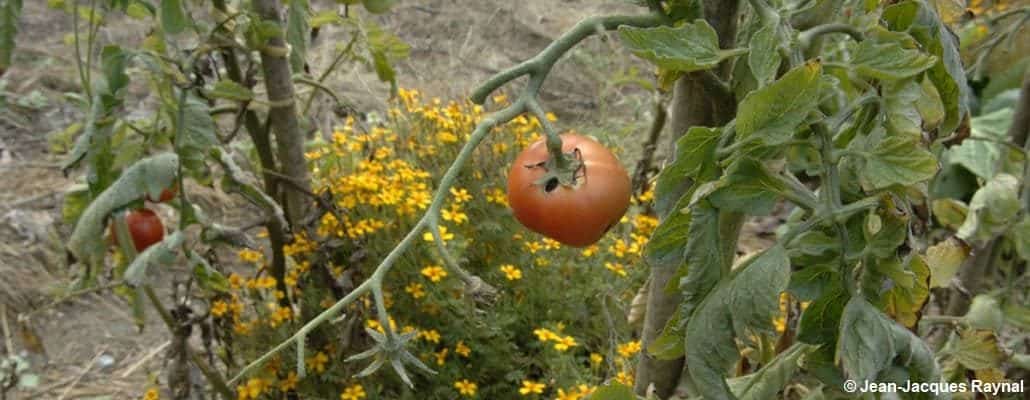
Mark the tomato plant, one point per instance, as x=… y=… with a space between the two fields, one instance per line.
x=577 y=213
x=145 y=227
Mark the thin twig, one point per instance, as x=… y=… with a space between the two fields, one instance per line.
x=70 y=296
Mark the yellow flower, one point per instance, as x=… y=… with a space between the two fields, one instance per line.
x=497 y=196
x=462 y=349
x=530 y=387
x=251 y=256
x=511 y=272
x=534 y=247
x=289 y=383
x=219 y=308
x=589 y=251
x=596 y=359
x=152 y=394
x=455 y=215
x=551 y=244
x=354 y=392
x=441 y=356
x=624 y=378
x=434 y=273
x=251 y=390
x=430 y=336
x=564 y=343
x=466 y=387
x=415 y=290
x=317 y=362
x=428 y=236
x=630 y=348
x=616 y=268
x=545 y=334
x=460 y=195
x=446 y=137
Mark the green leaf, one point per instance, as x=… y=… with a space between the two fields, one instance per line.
x=378 y=6
x=150 y=176
x=328 y=17
x=76 y=199
x=297 y=33
x=690 y=47
x=695 y=153
x=173 y=16
x=385 y=49
x=820 y=321
x=985 y=313
x=744 y=305
x=813 y=280
x=10 y=11
x=198 y=132
x=889 y=61
x=772 y=377
x=763 y=57
x=777 y=109
x=865 y=347
x=208 y=277
x=748 y=187
x=162 y=253
x=228 y=89
x=705 y=263
x=669 y=345
x=948 y=75
x=917 y=357
x=944 y=260
x=613 y=391
x=892 y=233
x=903 y=118
x=1017 y=315
x=896 y=161
x=991 y=210
x=113 y=61
x=666 y=248
x=1020 y=235
x=979 y=156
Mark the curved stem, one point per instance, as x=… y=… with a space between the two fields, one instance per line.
x=554 y=145
x=806 y=38
x=542 y=62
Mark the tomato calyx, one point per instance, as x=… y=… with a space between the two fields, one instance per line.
x=566 y=171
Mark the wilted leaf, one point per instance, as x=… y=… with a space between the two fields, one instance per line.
x=865 y=347
x=903 y=118
x=944 y=259
x=173 y=16
x=950 y=212
x=981 y=156
x=691 y=47
x=992 y=209
x=743 y=305
x=906 y=299
x=985 y=313
x=161 y=253
x=975 y=349
x=897 y=161
x=772 y=377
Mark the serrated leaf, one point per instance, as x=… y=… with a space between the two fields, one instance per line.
x=865 y=347
x=944 y=260
x=764 y=58
x=173 y=16
x=748 y=187
x=889 y=61
x=228 y=89
x=772 y=377
x=666 y=248
x=991 y=210
x=150 y=176
x=690 y=47
x=897 y=161
x=744 y=305
x=161 y=253
x=704 y=264
x=695 y=151
x=981 y=156
x=920 y=19
x=813 y=280
x=777 y=109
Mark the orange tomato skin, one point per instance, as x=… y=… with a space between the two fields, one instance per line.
x=145 y=227
x=166 y=194
x=579 y=215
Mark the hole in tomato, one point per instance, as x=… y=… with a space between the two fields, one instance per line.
x=551 y=184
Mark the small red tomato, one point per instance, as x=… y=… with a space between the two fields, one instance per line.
x=145 y=227
x=578 y=214
x=166 y=194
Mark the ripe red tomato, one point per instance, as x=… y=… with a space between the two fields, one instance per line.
x=576 y=215
x=166 y=194
x=145 y=227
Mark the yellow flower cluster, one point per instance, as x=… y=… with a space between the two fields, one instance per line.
x=579 y=392
x=561 y=343
x=628 y=349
